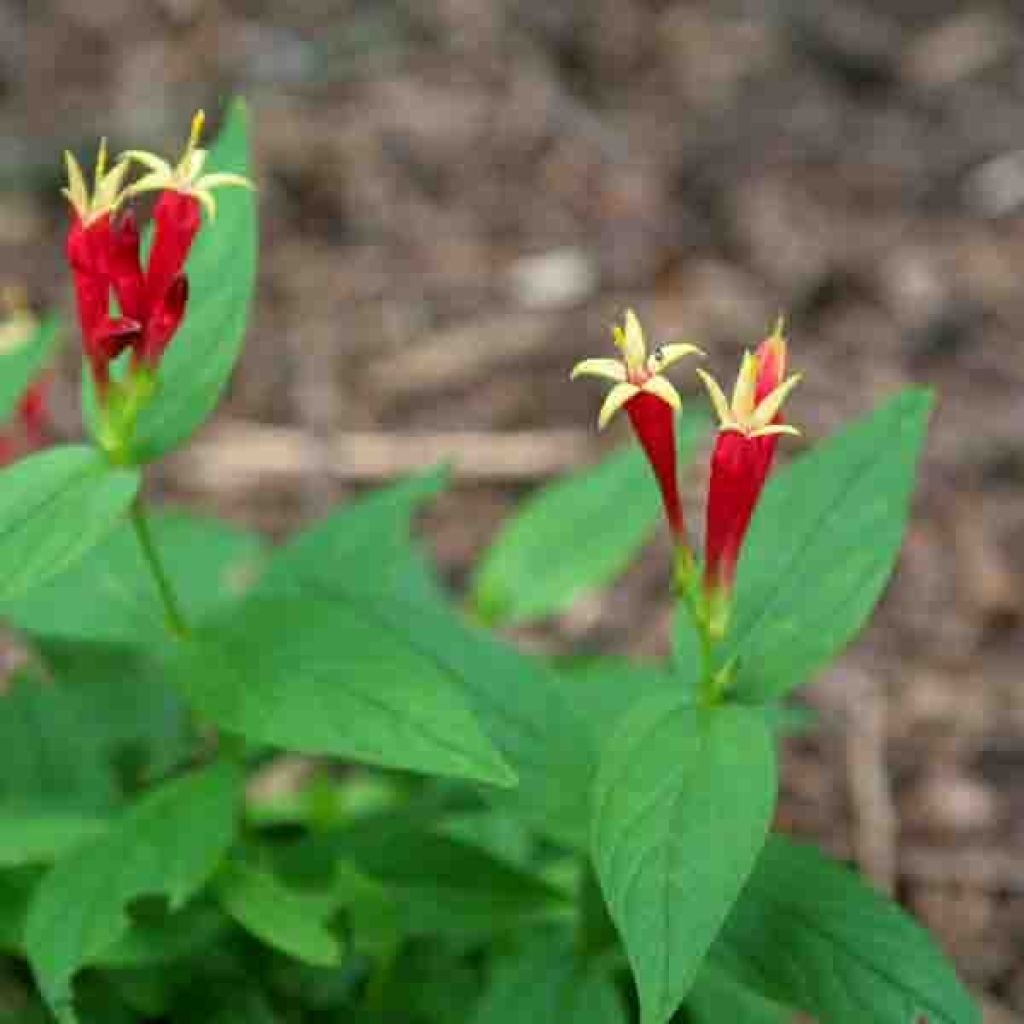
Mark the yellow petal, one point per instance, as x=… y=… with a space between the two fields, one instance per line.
x=109 y=192
x=630 y=340
x=774 y=429
x=665 y=355
x=154 y=182
x=769 y=406
x=611 y=369
x=615 y=400
x=718 y=399
x=76 y=192
x=746 y=388
x=150 y=161
x=663 y=388
x=206 y=198
x=224 y=179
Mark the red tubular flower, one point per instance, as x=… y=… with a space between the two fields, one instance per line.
x=88 y=247
x=742 y=458
x=104 y=251
x=650 y=402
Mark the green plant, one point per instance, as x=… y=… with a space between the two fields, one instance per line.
x=474 y=833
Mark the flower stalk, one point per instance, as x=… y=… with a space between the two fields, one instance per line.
x=172 y=609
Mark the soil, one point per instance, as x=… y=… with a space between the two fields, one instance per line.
x=459 y=196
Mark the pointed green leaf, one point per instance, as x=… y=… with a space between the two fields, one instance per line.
x=41 y=835
x=718 y=997
x=822 y=545
x=287 y=919
x=222 y=277
x=682 y=804
x=542 y=559
x=170 y=843
x=109 y=596
x=54 y=507
x=810 y=933
x=366 y=543
x=20 y=366
x=316 y=676
x=546 y=983
x=440 y=885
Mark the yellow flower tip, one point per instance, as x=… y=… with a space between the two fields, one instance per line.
x=614 y=401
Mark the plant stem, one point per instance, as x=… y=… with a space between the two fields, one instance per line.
x=175 y=620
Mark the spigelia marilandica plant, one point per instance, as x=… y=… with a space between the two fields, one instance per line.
x=467 y=831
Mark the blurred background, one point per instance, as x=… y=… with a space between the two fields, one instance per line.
x=458 y=196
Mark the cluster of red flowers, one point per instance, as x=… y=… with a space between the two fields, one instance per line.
x=749 y=428
x=103 y=250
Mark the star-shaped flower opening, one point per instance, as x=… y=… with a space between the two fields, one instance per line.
x=108 y=189
x=759 y=393
x=636 y=371
x=186 y=176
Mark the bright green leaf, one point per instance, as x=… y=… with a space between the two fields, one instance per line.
x=318 y=677
x=515 y=698
x=519 y=704
x=285 y=918
x=38 y=836
x=682 y=804
x=810 y=933
x=440 y=885
x=54 y=507
x=546 y=983
x=170 y=843
x=366 y=544
x=222 y=277
x=109 y=595
x=20 y=366
x=822 y=545
x=717 y=998
x=574 y=535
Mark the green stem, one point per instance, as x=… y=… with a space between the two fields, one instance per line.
x=175 y=620
x=688 y=589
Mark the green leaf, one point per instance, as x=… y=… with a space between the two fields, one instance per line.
x=545 y=983
x=222 y=277
x=440 y=885
x=682 y=803
x=718 y=997
x=515 y=698
x=291 y=921
x=541 y=560
x=604 y=690
x=317 y=677
x=20 y=366
x=170 y=843
x=367 y=543
x=39 y=836
x=16 y=889
x=53 y=508
x=810 y=933
x=51 y=760
x=109 y=596
x=821 y=547
x=521 y=707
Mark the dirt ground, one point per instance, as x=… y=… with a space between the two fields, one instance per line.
x=458 y=196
